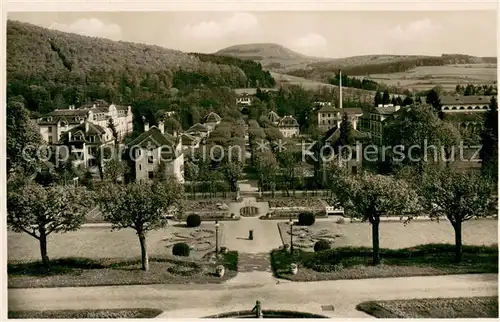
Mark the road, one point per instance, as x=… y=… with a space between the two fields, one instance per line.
x=195 y=301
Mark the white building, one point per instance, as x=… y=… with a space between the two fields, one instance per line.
x=289 y=127
x=211 y=120
x=464 y=104
x=153 y=147
x=54 y=124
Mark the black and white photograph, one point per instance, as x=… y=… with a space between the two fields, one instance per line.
x=248 y=163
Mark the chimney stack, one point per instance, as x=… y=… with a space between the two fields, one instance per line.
x=161 y=126
x=340 y=89
x=146 y=126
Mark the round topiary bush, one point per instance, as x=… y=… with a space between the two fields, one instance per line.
x=193 y=220
x=180 y=249
x=321 y=245
x=306 y=219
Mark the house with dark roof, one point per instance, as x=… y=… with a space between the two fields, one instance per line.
x=190 y=141
x=59 y=121
x=198 y=130
x=329 y=116
x=289 y=127
x=83 y=142
x=154 y=147
x=211 y=120
x=274 y=117
x=353 y=159
x=374 y=121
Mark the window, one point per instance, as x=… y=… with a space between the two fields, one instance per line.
x=329 y=115
x=150 y=174
x=50 y=138
x=140 y=167
x=50 y=129
x=150 y=159
x=354 y=169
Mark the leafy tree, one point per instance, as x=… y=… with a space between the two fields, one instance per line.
x=457 y=195
x=386 y=97
x=407 y=101
x=345 y=138
x=266 y=167
x=232 y=171
x=420 y=128
x=433 y=99
x=115 y=169
x=489 y=141
x=172 y=125
x=21 y=134
x=378 y=98
x=191 y=173
x=114 y=132
x=370 y=196
x=288 y=162
x=140 y=206
x=40 y=211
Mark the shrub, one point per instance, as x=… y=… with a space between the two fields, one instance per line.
x=306 y=219
x=321 y=245
x=180 y=249
x=193 y=220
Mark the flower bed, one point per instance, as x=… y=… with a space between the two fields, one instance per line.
x=306 y=203
x=212 y=205
x=284 y=214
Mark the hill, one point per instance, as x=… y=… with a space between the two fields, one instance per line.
x=271 y=56
x=52 y=69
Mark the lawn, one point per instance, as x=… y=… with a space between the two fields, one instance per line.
x=71 y=272
x=101 y=242
x=87 y=314
x=448 y=308
x=355 y=262
x=394 y=234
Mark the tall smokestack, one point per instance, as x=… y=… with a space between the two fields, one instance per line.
x=340 y=88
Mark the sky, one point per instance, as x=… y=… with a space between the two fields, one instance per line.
x=331 y=34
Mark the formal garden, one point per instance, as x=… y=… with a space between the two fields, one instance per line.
x=180 y=253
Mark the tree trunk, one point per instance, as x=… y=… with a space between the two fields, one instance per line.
x=375 y=241
x=458 y=240
x=43 y=248
x=144 y=251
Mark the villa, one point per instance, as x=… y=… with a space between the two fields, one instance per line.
x=289 y=127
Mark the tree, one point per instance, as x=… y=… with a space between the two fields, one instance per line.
x=457 y=195
x=489 y=142
x=345 y=138
x=40 y=211
x=418 y=128
x=266 y=167
x=433 y=99
x=377 y=98
x=114 y=132
x=191 y=173
x=232 y=171
x=370 y=196
x=386 y=97
x=407 y=101
x=172 y=125
x=142 y=207
x=288 y=162
x=21 y=134
x=115 y=169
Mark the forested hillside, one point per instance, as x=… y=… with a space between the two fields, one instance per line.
x=52 y=69
x=253 y=70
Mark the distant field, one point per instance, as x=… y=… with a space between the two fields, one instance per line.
x=283 y=79
x=448 y=76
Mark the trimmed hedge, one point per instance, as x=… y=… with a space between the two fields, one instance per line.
x=321 y=245
x=193 y=220
x=180 y=249
x=306 y=219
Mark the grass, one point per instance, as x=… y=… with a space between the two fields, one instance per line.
x=87 y=314
x=355 y=262
x=450 y=308
x=68 y=272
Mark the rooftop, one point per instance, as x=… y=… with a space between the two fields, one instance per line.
x=153 y=135
x=288 y=121
x=464 y=100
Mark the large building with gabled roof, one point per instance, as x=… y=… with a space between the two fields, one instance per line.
x=153 y=147
x=54 y=124
x=289 y=127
